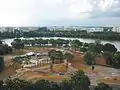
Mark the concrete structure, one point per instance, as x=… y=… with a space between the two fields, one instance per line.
x=25 y=29
x=116 y=29
x=75 y=28
x=32 y=63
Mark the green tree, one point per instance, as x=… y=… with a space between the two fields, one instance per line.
x=66 y=85
x=17 y=44
x=0 y=41
x=59 y=42
x=52 y=55
x=46 y=85
x=109 y=57
x=5 y=49
x=103 y=86
x=15 y=84
x=86 y=44
x=1 y=63
x=59 y=55
x=53 y=42
x=116 y=60
x=76 y=44
x=1 y=85
x=80 y=81
x=95 y=47
x=109 y=47
x=89 y=57
x=97 y=42
x=83 y=49
x=68 y=56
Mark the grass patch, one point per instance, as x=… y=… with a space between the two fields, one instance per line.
x=60 y=68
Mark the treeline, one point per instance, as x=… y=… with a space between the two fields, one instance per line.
x=106 y=35
x=46 y=42
x=77 y=81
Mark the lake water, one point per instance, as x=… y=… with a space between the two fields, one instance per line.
x=116 y=43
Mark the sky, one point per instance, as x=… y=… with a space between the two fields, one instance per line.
x=59 y=12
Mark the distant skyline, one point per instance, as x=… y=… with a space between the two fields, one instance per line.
x=59 y=12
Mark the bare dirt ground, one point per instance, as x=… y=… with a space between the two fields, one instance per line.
x=45 y=73
x=9 y=70
x=99 y=74
x=37 y=49
x=110 y=80
x=11 y=67
x=34 y=76
x=78 y=62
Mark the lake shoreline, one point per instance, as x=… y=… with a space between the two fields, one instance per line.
x=64 y=37
x=89 y=40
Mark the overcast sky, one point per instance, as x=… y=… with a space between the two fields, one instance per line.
x=59 y=12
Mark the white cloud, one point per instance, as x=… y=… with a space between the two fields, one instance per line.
x=35 y=12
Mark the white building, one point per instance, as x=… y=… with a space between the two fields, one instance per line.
x=93 y=29
x=116 y=29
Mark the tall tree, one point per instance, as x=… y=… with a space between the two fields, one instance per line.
x=109 y=57
x=46 y=85
x=95 y=47
x=17 y=44
x=1 y=85
x=109 y=47
x=66 y=85
x=68 y=57
x=59 y=56
x=1 y=64
x=80 y=81
x=5 y=49
x=53 y=42
x=76 y=44
x=15 y=84
x=0 y=41
x=116 y=60
x=89 y=57
x=52 y=55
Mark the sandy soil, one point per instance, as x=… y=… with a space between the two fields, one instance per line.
x=34 y=76
x=110 y=80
